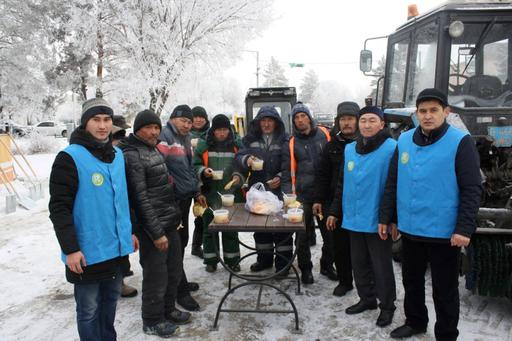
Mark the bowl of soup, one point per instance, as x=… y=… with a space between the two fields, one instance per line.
x=294 y=215
x=221 y=216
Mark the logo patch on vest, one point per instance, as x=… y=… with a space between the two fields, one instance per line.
x=351 y=165
x=97 y=179
x=404 y=158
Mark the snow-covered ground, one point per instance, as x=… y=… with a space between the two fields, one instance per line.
x=36 y=302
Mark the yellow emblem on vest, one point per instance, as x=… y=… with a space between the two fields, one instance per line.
x=97 y=179
x=351 y=165
x=404 y=158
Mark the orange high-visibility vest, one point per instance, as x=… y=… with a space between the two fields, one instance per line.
x=293 y=162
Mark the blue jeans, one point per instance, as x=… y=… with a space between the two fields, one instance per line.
x=96 y=308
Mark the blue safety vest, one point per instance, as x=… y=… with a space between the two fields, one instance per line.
x=427 y=189
x=364 y=179
x=101 y=213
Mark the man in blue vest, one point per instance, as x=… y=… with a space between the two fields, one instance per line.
x=91 y=217
x=326 y=178
x=434 y=186
x=357 y=199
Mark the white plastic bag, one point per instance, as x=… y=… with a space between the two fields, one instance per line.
x=259 y=201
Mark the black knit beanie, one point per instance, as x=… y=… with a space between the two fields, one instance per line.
x=144 y=118
x=93 y=107
x=182 y=110
x=220 y=121
x=369 y=109
x=199 y=112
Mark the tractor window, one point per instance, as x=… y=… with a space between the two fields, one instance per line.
x=480 y=66
x=283 y=108
x=422 y=68
x=398 y=67
x=496 y=58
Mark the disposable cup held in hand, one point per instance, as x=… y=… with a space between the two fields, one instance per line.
x=227 y=200
x=257 y=165
x=193 y=142
x=221 y=216
x=217 y=174
x=294 y=215
x=289 y=198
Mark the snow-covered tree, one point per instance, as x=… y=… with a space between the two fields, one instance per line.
x=132 y=51
x=158 y=40
x=274 y=74
x=329 y=94
x=25 y=55
x=309 y=86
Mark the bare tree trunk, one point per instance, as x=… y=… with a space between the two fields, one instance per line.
x=101 y=54
x=164 y=95
x=83 y=87
x=153 y=99
x=1 y=101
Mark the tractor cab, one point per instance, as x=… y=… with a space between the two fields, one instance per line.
x=281 y=98
x=464 y=49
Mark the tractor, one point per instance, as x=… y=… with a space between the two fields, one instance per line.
x=465 y=50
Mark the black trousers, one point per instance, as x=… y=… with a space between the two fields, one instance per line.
x=265 y=244
x=302 y=242
x=183 y=234
x=197 y=237
x=342 y=259
x=444 y=269
x=161 y=273
x=373 y=268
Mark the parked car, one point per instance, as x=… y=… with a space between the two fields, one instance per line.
x=14 y=128
x=325 y=119
x=51 y=128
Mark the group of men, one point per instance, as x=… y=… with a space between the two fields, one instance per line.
x=360 y=186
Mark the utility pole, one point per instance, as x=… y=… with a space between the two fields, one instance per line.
x=257 y=66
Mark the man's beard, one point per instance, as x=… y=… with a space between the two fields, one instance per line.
x=303 y=129
x=348 y=131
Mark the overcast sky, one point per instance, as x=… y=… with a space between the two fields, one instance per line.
x=326 y=35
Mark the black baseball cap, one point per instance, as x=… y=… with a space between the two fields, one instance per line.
x=430 y=94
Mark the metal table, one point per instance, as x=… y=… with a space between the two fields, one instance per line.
x=241 y=220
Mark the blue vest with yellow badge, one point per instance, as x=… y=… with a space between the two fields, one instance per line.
x=101 y=213
x=364 y=179
x=427 y=189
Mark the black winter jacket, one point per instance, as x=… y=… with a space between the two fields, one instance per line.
x=254 y=144
x=63 y=189
x=308 y=149
x=330 y=166
x=467 y=169
x=149 y=188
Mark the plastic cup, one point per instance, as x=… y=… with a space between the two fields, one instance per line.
x=289 y=198
x=227 y=199
x=294 y=215
x=221 y=216
x=257 y=165
x=193 y=142
x=218 y=174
